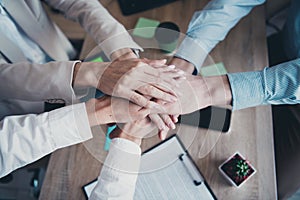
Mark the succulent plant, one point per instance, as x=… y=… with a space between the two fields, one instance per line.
x=242 y=168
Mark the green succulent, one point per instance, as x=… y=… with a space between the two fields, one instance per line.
x=242 y=168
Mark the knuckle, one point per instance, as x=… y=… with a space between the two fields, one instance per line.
x=159 y=123
x=126 y=78
x=149 y=89
x=128 y=74
x=164 y=96
x=141 y=114
x=160 y=70
x=167 y=119
x=139 y=64
x=118 y=89
x=158 y=80
x=138 y=99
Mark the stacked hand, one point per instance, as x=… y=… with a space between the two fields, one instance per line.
x=134 y=131
x=133 y=79
x=146 y=90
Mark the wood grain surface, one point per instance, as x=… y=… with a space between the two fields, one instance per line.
x=250 y=133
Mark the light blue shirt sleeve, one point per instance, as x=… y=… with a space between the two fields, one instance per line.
x=273 y=85
x=210 y=26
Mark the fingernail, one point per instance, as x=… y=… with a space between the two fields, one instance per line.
x=175 y=120
x=172 y=126
x=164 y=60
x=172 y=66
x=173 y=99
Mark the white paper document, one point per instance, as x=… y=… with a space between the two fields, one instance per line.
x=168 y=173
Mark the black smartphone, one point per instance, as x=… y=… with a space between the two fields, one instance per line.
x=212 y=117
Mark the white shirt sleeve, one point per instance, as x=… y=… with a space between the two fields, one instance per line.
x=27 y=138
x=119 y=172
x=210 y=26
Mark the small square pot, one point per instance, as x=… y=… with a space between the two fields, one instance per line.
x=237 y=170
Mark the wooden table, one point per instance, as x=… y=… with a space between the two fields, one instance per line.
x=251 y=132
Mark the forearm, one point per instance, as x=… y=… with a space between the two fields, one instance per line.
x=119 y=133
x=99 y=111
x=119 y=172
x=120 y=169
x=210 y=26
x=98 y=22
x=88 y=74
x=36 y=82
x=34 y=136
x=273 y=85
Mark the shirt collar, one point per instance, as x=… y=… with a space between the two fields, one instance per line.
x=2 y=11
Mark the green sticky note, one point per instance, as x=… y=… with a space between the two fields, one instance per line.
x=213 y=70
x=145 y=28
x=98 y=59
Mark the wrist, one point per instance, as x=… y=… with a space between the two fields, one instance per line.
x=99 y=111
x=219 y=90
x=125 y=53
x=118 y=133
x=75 y=73
x=183 y=65
x=87 y=74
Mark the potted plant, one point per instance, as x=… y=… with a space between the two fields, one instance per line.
x=237 y=169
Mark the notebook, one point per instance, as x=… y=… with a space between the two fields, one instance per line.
x=167 y=172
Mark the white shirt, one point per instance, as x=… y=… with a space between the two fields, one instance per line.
x=27 y=138
x=119 y=172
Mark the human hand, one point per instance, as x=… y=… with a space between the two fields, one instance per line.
x=198 y=92
x=164 y=123
x=194 y=96
x=134 y=131
x=134 y=78
x=108 y=109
